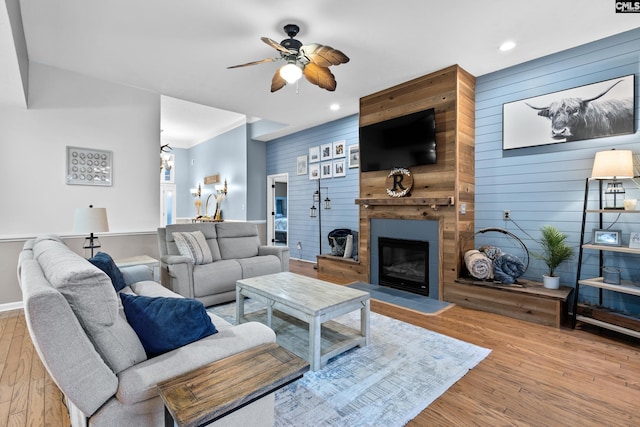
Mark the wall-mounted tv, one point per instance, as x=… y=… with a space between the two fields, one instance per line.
x=401 y=142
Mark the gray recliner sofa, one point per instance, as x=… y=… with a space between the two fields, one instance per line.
x=80 y=331
x=237 y=254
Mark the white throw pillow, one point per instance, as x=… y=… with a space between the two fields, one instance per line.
x=348 y=247
x=193 y=245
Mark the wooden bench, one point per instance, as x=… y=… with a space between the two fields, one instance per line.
x=527 y=300
x=340 y=270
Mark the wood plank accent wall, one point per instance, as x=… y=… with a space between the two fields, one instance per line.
x=451 y=92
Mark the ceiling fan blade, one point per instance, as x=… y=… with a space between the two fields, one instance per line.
x=277 y=82
x=324 y=56
x=262 y=61
x=320 y=76
x=277 y=46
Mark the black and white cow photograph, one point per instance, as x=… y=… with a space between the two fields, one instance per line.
x=596 y=110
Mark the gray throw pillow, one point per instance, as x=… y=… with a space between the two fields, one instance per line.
x=193 y=245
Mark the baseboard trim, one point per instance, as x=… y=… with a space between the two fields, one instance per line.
x=302 y=260
x=11 y=306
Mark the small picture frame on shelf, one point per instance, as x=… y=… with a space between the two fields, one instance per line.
x=606 y=237
x=634 y=241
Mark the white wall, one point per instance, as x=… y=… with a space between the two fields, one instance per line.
x=66 y=108
x=71 y=109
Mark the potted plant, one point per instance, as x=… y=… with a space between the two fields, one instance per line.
x=555 y=251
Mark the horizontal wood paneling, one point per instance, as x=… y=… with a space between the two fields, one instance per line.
x=545 y=185
x=282 y=154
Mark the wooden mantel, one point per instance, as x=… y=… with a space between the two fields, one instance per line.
x=442 y=191
x=427 y=201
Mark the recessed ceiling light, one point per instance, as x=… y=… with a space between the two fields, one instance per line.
x=508 y=45
x=334 y=107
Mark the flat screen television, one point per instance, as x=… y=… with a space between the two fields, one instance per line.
x=399 y=143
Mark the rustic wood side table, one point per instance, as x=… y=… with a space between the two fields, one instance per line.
x=209 y=393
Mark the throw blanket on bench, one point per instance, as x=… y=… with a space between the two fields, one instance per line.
x=478 y=264
x=507 y=268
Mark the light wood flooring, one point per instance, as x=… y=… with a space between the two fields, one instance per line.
x=534 y=376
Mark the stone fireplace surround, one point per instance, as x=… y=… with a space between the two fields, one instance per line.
x=410 y=230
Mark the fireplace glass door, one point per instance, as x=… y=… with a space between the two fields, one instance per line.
x=404 y=264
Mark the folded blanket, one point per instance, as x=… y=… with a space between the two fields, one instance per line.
x=478 y=264
x=492 y=252
x=507 y=268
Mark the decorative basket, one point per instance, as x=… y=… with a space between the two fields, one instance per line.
x=513 y=245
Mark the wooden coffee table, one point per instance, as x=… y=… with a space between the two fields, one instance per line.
x=209 y=393
x=314 y=302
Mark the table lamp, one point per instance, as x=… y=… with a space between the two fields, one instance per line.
x=613 y=165
x=90 y=220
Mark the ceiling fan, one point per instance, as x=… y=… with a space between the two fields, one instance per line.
x=311 y=60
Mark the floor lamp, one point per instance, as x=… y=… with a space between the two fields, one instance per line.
x=317 y=212
x=90 y=220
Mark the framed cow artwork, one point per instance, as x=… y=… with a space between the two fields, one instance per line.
x=597 y=110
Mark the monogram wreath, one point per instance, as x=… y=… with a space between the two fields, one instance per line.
x=403 y=192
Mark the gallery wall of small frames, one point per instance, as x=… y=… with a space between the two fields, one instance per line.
x=329 y=160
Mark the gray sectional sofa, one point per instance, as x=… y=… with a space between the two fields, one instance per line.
x=236 y=253
x=89 y=347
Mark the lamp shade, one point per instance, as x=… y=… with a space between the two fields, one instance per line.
x=613 y=164
x=90 y=220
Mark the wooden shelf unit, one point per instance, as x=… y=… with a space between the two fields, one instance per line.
x=625 y=286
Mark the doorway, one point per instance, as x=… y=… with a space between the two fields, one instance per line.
x=167 y=204
x=277 y=210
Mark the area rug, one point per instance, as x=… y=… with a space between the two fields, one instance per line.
x=387 y=383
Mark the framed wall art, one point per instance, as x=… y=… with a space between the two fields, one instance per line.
x=326 y=151
x=634 y=240
x=339 y=149
x=606 y=237
x=596 y=110
x=314 y=171
x=314 y=154
x=326 y=170
x=88 y=166
x=354 y=156
x=339 y=168
x=301 y=165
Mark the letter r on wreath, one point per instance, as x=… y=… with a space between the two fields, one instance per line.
x=397 y=182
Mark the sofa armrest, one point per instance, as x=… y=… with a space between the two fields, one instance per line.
x=63 y=345
x=139 y=382
x=136 y=273
x=282 y=252
x=176 y=273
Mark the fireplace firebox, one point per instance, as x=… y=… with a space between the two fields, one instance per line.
x=404 y=264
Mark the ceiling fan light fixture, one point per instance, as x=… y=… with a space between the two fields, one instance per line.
x=291 y=73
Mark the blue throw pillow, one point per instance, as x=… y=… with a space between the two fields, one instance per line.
x=163 y=324
x=105 y=263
